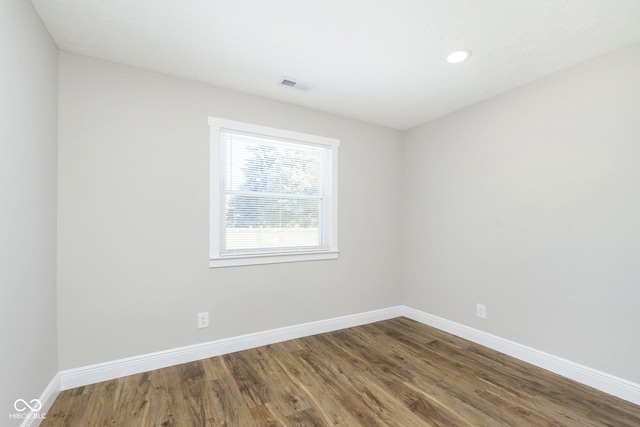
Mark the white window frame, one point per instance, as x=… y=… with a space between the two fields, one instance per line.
x=330 y=219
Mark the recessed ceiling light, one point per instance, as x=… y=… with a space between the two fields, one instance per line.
x=458 y=56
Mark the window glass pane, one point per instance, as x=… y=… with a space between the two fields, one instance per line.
x=273 y=195
x=262 y=223
x=258 y=165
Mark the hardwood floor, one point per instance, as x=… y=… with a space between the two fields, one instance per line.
x=392 y=373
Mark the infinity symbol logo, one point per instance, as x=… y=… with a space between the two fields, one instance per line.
x=21 y=405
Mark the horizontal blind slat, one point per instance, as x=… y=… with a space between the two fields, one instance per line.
x=272 y=195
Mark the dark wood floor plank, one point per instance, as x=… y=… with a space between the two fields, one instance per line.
x=252 y=385
x=440 y=370
x=307 y=418
x=263 y=416
x=392 y=373
x=168 y=401
x=68 y=409
x=193 y=384
x=102 y=402
x=334 y=382
x=287 y=397
x=328 y=405
x=228 y=404
x=424 y=397
x=359 y=371
x=543 y=391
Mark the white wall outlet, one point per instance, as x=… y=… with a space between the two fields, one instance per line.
x=203 y=320
x=481 y=311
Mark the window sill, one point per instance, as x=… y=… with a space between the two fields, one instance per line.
x=235 y=261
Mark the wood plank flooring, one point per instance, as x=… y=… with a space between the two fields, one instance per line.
x=392 y=373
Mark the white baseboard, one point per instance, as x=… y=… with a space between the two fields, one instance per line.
x=602 y=381
x=47 y=398
x=147 y=362
x=607 y=383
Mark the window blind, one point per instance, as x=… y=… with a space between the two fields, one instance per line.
x=273 y=194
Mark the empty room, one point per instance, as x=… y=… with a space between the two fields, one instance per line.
x=318 y=213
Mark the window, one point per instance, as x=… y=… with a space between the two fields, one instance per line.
x=274 y=195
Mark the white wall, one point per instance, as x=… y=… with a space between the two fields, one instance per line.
x=28 y=134
x=133 y=218
x=530 y=204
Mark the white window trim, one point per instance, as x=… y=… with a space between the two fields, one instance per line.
x=331 y=223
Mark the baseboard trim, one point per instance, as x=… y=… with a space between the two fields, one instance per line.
x=47 y=398
x=91 y=374
x=602 y=381
x=147 y=362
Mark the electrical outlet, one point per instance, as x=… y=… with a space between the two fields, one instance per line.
x=481 y=311
x=203 y=320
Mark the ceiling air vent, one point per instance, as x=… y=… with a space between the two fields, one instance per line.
x=295 y=84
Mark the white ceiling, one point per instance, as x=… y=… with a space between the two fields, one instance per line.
x=381 y=61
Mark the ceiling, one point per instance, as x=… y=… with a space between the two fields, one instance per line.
x=380 y=61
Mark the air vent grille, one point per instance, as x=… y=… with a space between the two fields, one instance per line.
x=295 y=84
